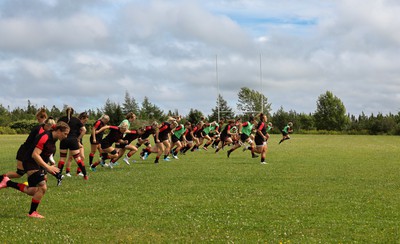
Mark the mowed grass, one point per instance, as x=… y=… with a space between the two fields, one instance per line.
x=315 y=189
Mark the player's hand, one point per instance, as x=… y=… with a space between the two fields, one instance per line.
x=53 y=170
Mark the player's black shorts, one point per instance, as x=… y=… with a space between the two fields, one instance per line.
x=259 y=140
x=174 y=138
x=98 y=139
x=69 y=143
x=163 y=137
x=105 y=144
x=243 y=137
x=37 y=177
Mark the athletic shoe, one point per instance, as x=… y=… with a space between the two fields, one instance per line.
x=126 y=160
x=174 y=156
x=254 y=156
x=93 y=169
x=86 y=177
x=80 y=174
x=36 y=215
x=263 y=162
x=167 y=159
x=68 y=174
x=3 y=183
x=244 y=149
x=59 y=179
x=102 y=163
x=145 y=156
x=111 y=165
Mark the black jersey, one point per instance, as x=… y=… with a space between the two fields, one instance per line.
x=130 y=136
x=113 y=136
x=97 y=126
x=262 y=127
x=149 y=130
x=224 y=132
x=164 y=130
x=75 y=126
x=29 y=141
x=44 y=142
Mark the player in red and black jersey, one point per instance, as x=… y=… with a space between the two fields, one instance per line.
x=126 y=145
x=72 y=142
x=144 y=139
x=44 y=125
x=148 y=131
x=187 y=138
x=83 y=117
x=95 y=139
x=35 y=163
x=115 y=135
x=225 y=135
x=261 y=138
x=162 y=139
x=196 y=133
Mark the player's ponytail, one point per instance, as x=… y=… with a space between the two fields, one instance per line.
x=70 y=112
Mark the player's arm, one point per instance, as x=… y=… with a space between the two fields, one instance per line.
x=39 y=160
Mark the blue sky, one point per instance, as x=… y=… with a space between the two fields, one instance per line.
x=81 y=53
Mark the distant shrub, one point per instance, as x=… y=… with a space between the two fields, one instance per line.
x=7 y=131
x=23 y=126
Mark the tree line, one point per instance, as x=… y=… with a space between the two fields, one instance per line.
x=330 y=116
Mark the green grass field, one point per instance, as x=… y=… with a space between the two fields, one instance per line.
x=315 y=189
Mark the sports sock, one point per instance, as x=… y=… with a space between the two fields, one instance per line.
x=34 y=205
x=81 y=165
x=61 y=166
x=15 y=185
x=91 y=156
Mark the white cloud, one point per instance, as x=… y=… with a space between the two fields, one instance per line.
x=166 y=50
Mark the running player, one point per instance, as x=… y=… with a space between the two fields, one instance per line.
x=225 y=136
x=115 y=135
x=35 y=163
x=83 y=117
x=41 y=117
x=286 y=131
x=261 y=138
x=162 y=139
x=176 y=139
x=126 y=145
x=245 y=130
x=71 y=144
x=95 y=138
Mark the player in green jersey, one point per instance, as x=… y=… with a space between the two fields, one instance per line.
x=286 y=131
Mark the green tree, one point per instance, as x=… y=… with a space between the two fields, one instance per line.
x=194 y=116
x=55 y=112
x=150 y=111
x=130 y=104
x=113 y=110
x=331 y=113
x=224 y=110
x=305 y=121
x=251 y=101
x=4 y=116
x=279 y=119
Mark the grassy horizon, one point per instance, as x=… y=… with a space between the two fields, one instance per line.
x=315 y=188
